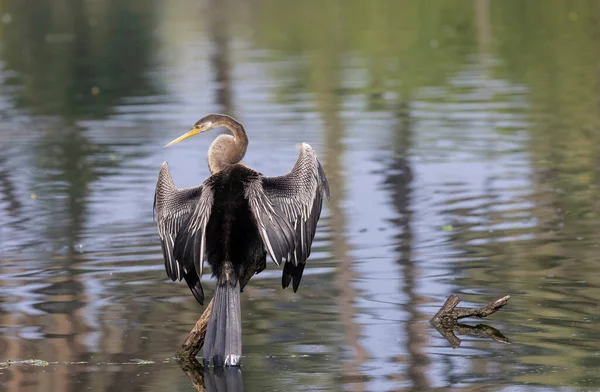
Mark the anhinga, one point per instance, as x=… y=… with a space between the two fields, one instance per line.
x=232 y=220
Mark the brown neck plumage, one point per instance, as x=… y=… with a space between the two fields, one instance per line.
x=227 y=149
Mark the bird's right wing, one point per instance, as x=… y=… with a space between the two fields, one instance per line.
x=181 y=217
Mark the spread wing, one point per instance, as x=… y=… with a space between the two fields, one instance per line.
x=287 y=209
x=181 y=217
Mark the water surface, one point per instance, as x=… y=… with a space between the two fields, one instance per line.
x=460 y=139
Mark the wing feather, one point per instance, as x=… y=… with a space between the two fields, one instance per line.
x=298 y=196
x=276 y=232
x=181 y=216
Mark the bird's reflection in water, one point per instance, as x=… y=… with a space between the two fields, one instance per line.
x=227 y=379
x=479 y=330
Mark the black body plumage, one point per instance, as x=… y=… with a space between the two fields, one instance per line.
x=232 y=221
x=232 y=234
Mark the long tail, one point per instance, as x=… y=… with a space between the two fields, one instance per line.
x=223 y=341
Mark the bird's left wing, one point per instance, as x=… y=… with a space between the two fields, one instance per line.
x=181 y=217
x=297 y=197
x=275 y=230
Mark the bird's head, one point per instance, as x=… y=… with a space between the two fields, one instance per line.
x=205 y=124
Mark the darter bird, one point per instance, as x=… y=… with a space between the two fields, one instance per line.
x=232 y=221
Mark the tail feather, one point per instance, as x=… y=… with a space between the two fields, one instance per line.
x=233 y=341
x=223 y=341
x=211 y=335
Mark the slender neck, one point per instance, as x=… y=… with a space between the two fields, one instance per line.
x=239 y=135
x=227 y=149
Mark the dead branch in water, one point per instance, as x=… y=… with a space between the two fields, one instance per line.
x=449 y=314
x=446 y=320
x=193 y=343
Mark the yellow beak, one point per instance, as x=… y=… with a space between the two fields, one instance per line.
x=194 y=131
